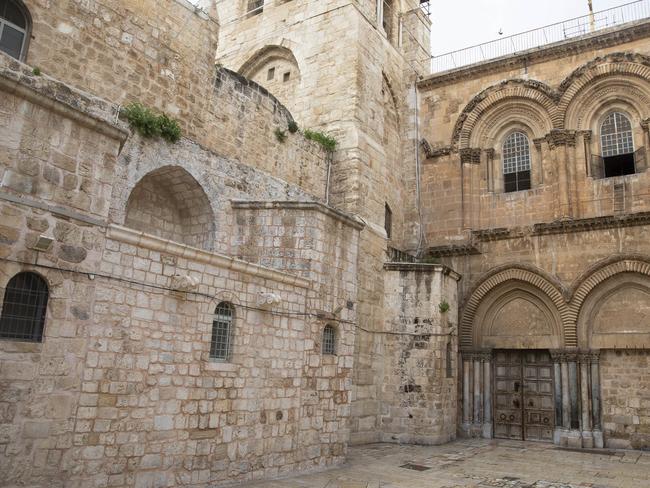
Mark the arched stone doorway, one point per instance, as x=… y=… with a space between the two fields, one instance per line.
x=513 y=323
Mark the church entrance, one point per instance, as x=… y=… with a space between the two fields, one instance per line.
x=523 y=395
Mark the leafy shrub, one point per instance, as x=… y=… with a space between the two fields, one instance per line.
x=280 y=135
x=328 y=142
x=443 y=306
x=151 y=124
x=293 y=127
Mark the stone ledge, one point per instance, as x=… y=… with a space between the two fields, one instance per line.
x=349 y=220
x=601 y=39
x=148 y=241
x=426 y=267
x=449 y=250
x=95 y=113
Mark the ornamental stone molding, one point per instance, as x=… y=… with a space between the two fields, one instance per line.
x=555 y=104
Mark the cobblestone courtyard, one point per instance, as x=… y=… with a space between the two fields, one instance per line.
x=479 y=464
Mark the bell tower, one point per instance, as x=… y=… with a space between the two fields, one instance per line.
x=347 y=68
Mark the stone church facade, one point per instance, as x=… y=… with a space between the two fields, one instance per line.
x=244 y=303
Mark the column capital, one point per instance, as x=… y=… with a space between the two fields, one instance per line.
x=561 y=137
x=589 y=356
x=564 y=356
x=482 y=355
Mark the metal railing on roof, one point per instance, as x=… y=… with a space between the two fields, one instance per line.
x=549 y=34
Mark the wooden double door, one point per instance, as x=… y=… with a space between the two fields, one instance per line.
x=523 y=395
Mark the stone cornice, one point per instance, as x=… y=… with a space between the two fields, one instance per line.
x=448 y=250
x=92 y=112
x=348 y=220
x=599 y=40
x=154 y=243
x=563 y=227
x=425 y=267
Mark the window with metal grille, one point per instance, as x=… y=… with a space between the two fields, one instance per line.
x=255 y=6
x=516 y=162
x=617 y=145
x=329 y=340
x=388 y=220
x=222 y=330
x=24 y=307
x=14 y=28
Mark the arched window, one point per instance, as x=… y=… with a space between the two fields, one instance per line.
x=222 y=329
x=15 y=25
x=516 y=162
x=329 y=340
x=24 y=307
x=617 y=145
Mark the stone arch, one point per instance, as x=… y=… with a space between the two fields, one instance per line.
x=276 y=68
x=598 y=275
x=538 y=96
x=169 y=203
x=605 y=82
x=534 y=281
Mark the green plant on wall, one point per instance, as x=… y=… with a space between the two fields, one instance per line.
x=328 y=142
x=292 y=126
x=151 y=124
x=280 y=135
x=443 y=306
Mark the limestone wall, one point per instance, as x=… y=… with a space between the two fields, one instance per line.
x=121 y=391
x=419 y=347
x=626 y=402
x=162 y=55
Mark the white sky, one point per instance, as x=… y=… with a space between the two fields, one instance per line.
x=457 y=24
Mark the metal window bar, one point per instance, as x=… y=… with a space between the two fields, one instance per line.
x=255 y=7
x=221 y=343
x=329 y=340
x=516 y=153
x=549 y=34
x=24 y=308
x=616 y=135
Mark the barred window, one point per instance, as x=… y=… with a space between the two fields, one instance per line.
x=329 y=340
x=24 y=307
x=516 y=162
x=222 y=330
x=14 y=28
x=255 y=6
x=616 y=135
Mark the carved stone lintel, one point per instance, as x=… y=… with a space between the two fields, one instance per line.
x=561 y=137
x=471 y=155
x=267 y=300
x=432 y=153
x=589 y=357
x=184 y=282
x=482 y=355
x=562 y=356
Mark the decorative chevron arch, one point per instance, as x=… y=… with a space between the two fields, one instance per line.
x=535 y=277
x=601 y=272
x=535 y=93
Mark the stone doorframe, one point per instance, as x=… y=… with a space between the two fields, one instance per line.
x=577 y=396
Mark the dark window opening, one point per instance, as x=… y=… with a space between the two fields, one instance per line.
x=620 y=165
x=516 y=181
x=221 y=343
x=255 y=7
x=286 y=77
x=388 y=221
x=14 y=28
x=24 y=307
x=329 y=340
x=270 y=74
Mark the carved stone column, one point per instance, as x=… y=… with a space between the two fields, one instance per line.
x=478 y=391
x=596 y=421
x=559 y=142
x=559 y=395
x=467 y=393
x=584 y=360
x=487 y=395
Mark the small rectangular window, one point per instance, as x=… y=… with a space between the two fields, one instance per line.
x=388 y=221
x=270 y=74
x=287 y=76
